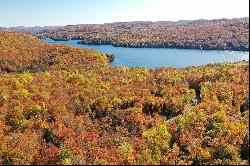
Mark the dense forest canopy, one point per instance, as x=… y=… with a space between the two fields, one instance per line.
x=64 y=105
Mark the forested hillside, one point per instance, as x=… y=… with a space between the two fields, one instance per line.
x=221 y=34
x=64 y=105
x=21 y=53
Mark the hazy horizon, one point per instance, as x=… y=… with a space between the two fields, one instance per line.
x=118 y=22
x=30 y=13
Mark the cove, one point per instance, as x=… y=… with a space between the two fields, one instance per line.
x=161 y=57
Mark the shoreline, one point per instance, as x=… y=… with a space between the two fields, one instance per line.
x=151 y=46
x=174 y=47
x=136 y=46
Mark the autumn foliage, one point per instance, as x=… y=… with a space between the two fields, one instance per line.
x=63 y=105
x=221 y=34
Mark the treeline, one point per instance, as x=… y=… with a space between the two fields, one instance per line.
x=63 y=105
x=223 y=34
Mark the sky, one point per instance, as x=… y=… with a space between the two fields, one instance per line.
x=71 y=12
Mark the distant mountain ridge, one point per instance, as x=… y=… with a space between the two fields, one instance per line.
x=33 y=30
x=39 y=29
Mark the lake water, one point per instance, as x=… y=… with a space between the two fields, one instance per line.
x=160 y=57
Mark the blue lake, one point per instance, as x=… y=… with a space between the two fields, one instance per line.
x=161 y=57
